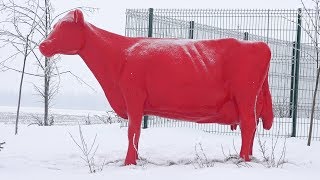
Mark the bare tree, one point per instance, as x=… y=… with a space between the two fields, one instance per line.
x=21 y=81
x=24 y=27
x=316 y=26
x=311 y=28
x=201 y=159
x=47 y=66
x=88 y=152
x=270 y=160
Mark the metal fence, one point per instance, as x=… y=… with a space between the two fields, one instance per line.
x=293 y=66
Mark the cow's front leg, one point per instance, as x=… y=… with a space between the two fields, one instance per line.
x=134 y=130
x=135 y=105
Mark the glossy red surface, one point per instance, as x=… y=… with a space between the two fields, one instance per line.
x=205 y=81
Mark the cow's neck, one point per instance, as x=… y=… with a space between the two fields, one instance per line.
x=103 y=54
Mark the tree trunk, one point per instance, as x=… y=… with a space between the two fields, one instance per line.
x=46 y=69
x=46 y=93
x=21 y=81
x=316 y=36
x=313 y=107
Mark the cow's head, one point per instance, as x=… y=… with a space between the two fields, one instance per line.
x=67 y=36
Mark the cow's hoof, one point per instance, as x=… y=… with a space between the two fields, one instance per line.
x=130 y=162
x=245 y=157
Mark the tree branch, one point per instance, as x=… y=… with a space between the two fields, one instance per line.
x=1 y=145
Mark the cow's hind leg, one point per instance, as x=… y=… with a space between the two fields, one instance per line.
x=251 y=145
x=247 y=126
x=258 y=109
x=247 y=133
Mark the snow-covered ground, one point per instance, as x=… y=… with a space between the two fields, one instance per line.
x=38 y=153
x=39 y=110
x=31 y=115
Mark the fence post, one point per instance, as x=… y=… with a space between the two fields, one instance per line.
x=150 y=31
x=191 y=29
x=293 y=62
x=296 y=76
x=246 y=36
x=150 y=24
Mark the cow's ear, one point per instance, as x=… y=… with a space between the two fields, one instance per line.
x=78 y=17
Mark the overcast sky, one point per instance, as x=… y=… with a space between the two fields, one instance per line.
x=111 y=16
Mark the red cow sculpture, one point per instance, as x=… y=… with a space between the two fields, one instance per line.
x=205 y=81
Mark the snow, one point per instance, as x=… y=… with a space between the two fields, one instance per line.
x=38 y=110
x=173 y=47
x=168 y=45
x=167 y=153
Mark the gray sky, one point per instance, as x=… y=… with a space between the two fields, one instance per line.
x=111 y=16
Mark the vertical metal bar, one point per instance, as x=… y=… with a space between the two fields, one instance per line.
x=246 y=36
x=293 y=62
x=150 y=31
x=268 y=26
x=150 y=25
x=296 y=78
x=191 y=29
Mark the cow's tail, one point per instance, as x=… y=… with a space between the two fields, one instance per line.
x=265 y=100
x=266 y=111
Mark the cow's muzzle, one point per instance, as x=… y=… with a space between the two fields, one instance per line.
x=45 y=48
